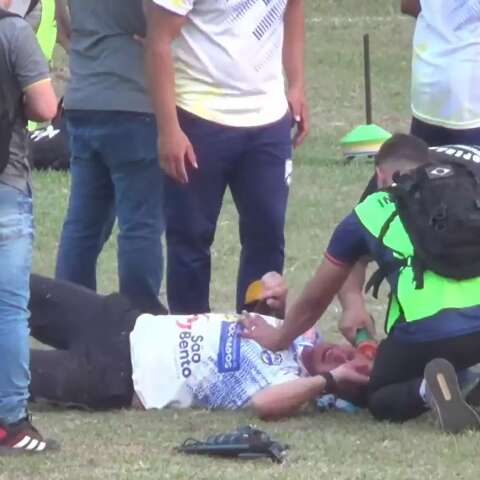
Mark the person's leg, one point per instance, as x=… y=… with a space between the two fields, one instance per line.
x=96 y=371
x=62 y=313
x=394 y=389
x=128 y=145
x=433 y=135
x=438 y=136
x=464 y=137
x=394 y=385
x=80 y=379
x=260 y=184
x=16 y=238
x=192 y=212
x=90 y=213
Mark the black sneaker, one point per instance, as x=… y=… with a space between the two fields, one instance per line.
x=473 y=396
x=445 y=398
x=23 y=437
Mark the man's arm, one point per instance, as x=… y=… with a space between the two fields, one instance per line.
x=40 y=101
x=286 y=399
x=304 y=313
x=346 y=247
x=411 y=7
x=354 y=311
x=31 y=70
x=293 y=63
x=64 y=30
x=312 y=303
x=175 y=150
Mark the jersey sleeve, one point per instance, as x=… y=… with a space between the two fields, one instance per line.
x=28 y=62
x=348 y=243
x=181 y=7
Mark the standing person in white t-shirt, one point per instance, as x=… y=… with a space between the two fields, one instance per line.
x=216 y=77
x=445 y=71
x=109 y=355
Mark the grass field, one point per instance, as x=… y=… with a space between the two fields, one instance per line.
x=138 y=445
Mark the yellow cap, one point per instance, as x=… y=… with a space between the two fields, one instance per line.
x=254 y=292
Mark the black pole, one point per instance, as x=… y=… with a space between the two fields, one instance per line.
x=368 y=85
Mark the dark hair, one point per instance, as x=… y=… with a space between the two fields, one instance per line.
x=401 y=148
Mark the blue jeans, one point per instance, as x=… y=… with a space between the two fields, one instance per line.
x=114 y=174
x=255 y=164
x=16 y=241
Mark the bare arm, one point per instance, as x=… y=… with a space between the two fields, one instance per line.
x=293 y=63
x=286 y=398
x=40 y=101
x=411 y=7
x=312 y=303
x=355 y=314
x=304 y=313
x=175 y=149
x=64 y=31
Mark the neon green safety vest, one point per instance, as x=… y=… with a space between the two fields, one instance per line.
x=407 y=302
x=47 y=29
x=46 y=37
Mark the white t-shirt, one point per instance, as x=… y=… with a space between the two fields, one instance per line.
x=228 y=60
x=200 y=360
x=446 y=64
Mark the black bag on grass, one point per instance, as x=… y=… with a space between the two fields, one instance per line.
x=48 y=147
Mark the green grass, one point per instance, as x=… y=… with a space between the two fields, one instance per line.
x=138 y=445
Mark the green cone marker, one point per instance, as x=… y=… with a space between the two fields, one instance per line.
x=364 y=140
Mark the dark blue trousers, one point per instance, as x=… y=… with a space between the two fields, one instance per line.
x=254 y=163
x=436 y=136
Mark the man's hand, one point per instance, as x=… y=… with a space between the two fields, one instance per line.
x=352 y=373
x=275 y=292
x=176 y=154
x=353 y=320
x=256 y=328
x=355 y=315
x=299 y=110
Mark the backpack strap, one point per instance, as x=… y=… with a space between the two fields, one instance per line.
x=384 y=271
x=32 y=6
x=381 y=274
x=7 y=14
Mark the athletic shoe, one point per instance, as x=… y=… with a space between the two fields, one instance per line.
x=473 y=396
x=23 y=437
x=445 y=398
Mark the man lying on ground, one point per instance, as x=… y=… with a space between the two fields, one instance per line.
x=431 y=317
x=109 y=355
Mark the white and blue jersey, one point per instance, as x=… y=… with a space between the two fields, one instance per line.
x=201 y=360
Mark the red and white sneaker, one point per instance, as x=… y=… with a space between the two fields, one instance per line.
x=23 y=437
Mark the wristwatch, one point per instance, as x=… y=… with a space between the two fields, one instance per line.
x=330 y=383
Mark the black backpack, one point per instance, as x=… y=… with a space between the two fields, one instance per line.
x=439 y=206
x=7 y=116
